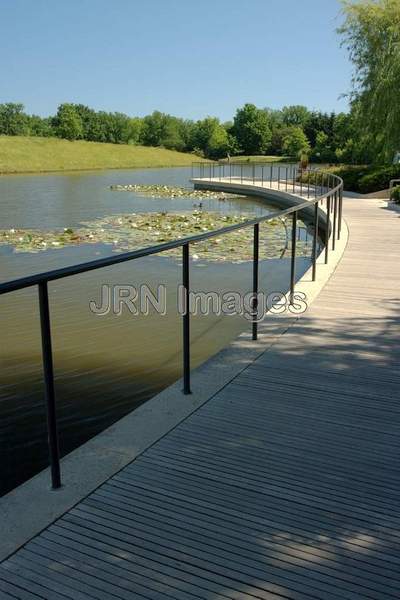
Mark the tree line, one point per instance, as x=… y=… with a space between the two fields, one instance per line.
x=291 y=131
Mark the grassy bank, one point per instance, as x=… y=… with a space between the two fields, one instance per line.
x=35 y=155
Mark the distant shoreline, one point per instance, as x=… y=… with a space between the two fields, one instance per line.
x=88 y=170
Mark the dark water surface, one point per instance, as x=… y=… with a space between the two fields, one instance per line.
x=104 y=365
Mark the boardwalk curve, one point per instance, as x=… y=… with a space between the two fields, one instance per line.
x=284 y=485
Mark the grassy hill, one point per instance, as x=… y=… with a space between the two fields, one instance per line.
x=35 y=155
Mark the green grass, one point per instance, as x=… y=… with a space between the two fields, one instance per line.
x=34 y=155
x=259 y=159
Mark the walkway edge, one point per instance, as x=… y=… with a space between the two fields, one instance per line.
x=31 y=507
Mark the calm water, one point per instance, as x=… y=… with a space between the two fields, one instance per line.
x=105 y=365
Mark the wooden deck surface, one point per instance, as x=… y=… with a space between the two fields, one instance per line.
x=286 y=484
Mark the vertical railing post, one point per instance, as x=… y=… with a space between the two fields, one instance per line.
x=270 y=175
x=262 y=175
x=294 y=178
x=48 y=372
x=286 y=180
x=241 y=173
x=328 y=226
x=293 y=257
x=308 y=183
x=301 y=181
x=186 y=319
x=315 y=242
x=334 y=220
x=340 y=211
x=255 y=279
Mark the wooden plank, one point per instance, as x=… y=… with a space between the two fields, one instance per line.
x=241 y=535
x=262 y=484
x=236 y=520
x=263 y=504
x=195 y=531
x=107 y=563
x=231 y=463
x=204 y=577
x=192 y=544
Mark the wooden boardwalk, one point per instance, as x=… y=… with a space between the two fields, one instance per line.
x=286 y=484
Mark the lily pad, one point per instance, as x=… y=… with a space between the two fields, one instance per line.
x=167 y=191
x=137 y=230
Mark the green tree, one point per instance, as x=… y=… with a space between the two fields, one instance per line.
x=68 y=122
x=13 y=120
x=251 y=129
x=319 y=121
x=119 y=128
x=323 y=151
x=204 y=132
x=160 y=129
x=371 y=32
x=91 y=123
x=135 y=130
x=36 y=126
x=295 y=115
x=172 y=134
x=295 y=142
x=219 y=143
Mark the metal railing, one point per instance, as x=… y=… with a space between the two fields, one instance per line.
x=326 y=187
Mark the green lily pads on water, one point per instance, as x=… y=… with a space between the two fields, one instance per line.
x=137 y=230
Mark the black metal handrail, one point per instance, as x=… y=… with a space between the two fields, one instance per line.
x=330 y=188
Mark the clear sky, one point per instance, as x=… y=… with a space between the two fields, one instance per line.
x=186 y=58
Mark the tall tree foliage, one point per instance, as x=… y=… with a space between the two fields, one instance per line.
x=68 y=122
x=251 y=129
x=371 y=33
x=295 y=115
x=13 y=120
x=295 y=142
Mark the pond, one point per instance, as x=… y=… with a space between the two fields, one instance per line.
x=105 y=365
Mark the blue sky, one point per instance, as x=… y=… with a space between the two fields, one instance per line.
x=179 y=56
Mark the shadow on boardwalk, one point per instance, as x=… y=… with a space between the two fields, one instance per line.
x=283 y=485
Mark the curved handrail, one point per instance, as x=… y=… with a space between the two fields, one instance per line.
x=331 y=190
x=54 y=274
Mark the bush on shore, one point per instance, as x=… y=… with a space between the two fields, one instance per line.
x=395 y=195
x=367 y=179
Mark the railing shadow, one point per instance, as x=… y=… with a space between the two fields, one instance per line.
x=285 y=485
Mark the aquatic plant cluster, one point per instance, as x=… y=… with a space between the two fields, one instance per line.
x=136 y=230
x=166 y=191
